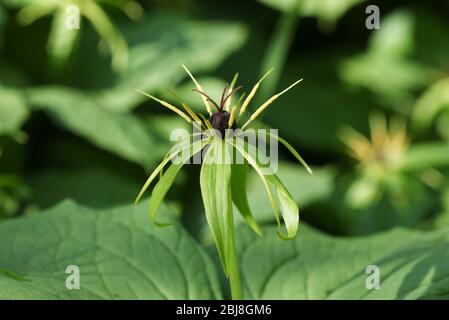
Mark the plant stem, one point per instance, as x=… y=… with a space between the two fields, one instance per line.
x=277 y=51
x=234 y=276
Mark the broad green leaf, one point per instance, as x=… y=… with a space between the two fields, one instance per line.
x=327 y=10
x=13 y=110
x=120 y=133
x=289 y=209
x=317 y=266
x=61 y=40
x=442 y=220
x=120 y=255
x=167 y=179
x=240 y=194
x=434 y=100
x=158 y=45
x=395 y=37
x=215 y=182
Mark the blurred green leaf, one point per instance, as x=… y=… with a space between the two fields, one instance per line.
x=120 y=255
x=326 y=10
x=158 y=46
x=320 y=102
x=94 y=187
x=426 y=155
x=61 y=40
x=318 y=266
x=13 y=110
x=432 y=101
x=363 y=191
x=386 y=68
x=13 y=192
x=443 y=125
x=120 y=133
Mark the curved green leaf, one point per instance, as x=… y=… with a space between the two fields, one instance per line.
x=256 y=167
x=239 y=194
x=158 y=45
x=289 y=209
x=61 y=40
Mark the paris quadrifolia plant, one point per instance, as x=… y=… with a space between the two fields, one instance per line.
x=225 y=151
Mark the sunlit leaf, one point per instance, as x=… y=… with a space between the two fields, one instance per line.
x=434 y=100
x=318 y=266
x=426 y=155
x=386 y=68
x=119 y=252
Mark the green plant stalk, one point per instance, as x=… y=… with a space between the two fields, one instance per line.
x=277 y=51
x=234 y=276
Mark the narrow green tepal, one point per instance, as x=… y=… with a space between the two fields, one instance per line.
x=118 y=254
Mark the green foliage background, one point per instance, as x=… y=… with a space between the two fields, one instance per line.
x=77 y=141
